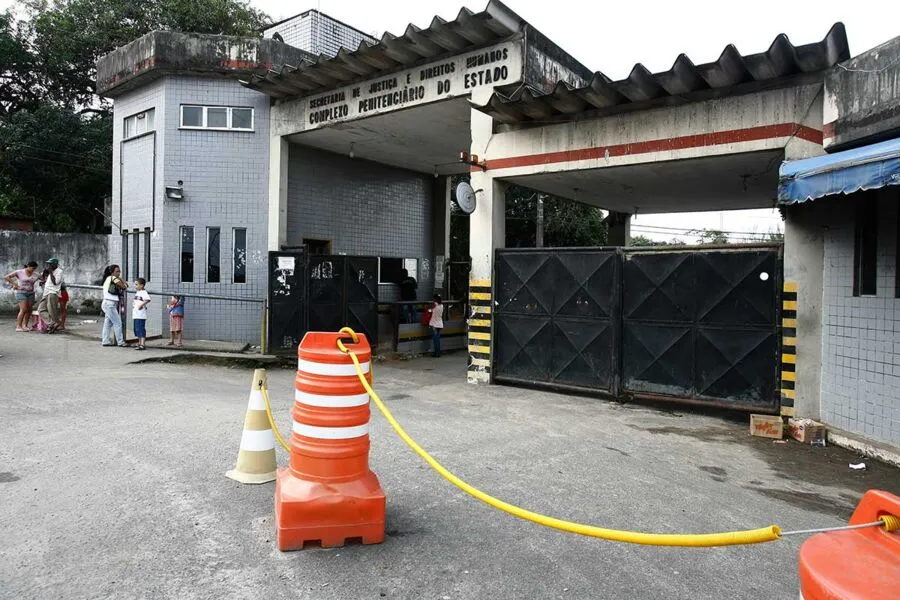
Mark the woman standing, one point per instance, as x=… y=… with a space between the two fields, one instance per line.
x=23 y=282
x=436 y=322
x=112 y=289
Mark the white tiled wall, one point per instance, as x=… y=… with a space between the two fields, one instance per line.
x=861 y=335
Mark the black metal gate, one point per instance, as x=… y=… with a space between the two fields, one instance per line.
x=694 y=325
x=556 y=318
x=287 y=300
x=343 y=291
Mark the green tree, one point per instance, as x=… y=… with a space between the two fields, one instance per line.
x=566 y=223
x=71 y=35
x=55 y=132
x=709 y=237
x=639 y=241
x=56 y=167
x=20 y=87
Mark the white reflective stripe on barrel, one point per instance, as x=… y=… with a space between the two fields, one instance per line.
x=330 y=433
x=317 y=368
x=330 y=401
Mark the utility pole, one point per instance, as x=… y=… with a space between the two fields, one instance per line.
x=539 y=234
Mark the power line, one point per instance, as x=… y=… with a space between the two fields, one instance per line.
x=67 y=164
x=676 y=229
x=60 y=152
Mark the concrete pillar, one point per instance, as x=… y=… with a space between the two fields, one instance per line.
x=279 y=157
x=804 y=264
x=619 y=232
x=487 y=232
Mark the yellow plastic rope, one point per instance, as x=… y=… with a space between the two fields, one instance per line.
x=265 y=395
x=731 y=538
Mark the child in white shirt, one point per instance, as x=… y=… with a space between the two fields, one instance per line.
x=139 y=312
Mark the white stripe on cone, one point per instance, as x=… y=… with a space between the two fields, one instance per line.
x=257 y=441
x=316 y=368
x=330 y=433
x=331 y=401
x=256 y=401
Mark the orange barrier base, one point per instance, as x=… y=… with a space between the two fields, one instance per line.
x=309 y=512
x=861 y=564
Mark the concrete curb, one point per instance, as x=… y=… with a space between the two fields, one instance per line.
x=865 y=447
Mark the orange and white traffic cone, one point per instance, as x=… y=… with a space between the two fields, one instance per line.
x=256 y=458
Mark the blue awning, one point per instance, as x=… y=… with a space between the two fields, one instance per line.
x=866 y=168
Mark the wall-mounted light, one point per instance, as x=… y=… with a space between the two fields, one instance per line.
x=352 y=154
x=435 y=172
x=175 y=192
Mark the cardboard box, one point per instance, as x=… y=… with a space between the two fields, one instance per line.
x=768 y=426
x=806 y=431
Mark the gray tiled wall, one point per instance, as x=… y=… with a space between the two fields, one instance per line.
x=861 y=335
x=225 y=180
x=225 y=177
x=364 y=208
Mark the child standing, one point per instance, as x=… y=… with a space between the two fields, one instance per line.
x=436 y=323
x=176 y=320
x=139 y=312
x=63 y=307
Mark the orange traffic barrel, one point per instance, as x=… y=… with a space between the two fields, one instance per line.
x=328 y=494
x=857 y=564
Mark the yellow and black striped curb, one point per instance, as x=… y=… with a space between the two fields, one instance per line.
x=481 y=305
x=788 y=348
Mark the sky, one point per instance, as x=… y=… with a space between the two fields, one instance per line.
x=612 y=36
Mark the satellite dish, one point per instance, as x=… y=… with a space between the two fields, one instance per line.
x=465 y=197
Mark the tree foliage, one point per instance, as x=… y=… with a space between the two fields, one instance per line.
x=566 y=223
x=55 y=132
x=642 y=241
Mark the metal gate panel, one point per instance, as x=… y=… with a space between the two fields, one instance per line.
x=555 y=319
x=695 y=325
x=526 y=283
x=522 y=348
x=361 y=294
x=287 y=301
x=738 y=288
x=701 y=326
x=736 y=365
x=657 y=359
x=660 y=289
x=326 y=292
x=582 y=353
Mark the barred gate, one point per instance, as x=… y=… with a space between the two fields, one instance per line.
x=314 y=292
x=687 y=324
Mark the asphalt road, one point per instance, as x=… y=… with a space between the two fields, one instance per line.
x=112 y=485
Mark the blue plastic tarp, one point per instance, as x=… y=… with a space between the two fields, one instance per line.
x=867 y=168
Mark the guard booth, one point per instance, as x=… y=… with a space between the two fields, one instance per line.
x=316 y=292
x=692 y=325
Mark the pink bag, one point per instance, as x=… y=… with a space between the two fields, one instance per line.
x=39 y=324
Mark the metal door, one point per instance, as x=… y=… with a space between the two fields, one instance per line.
x=556 y=320
x=343 y=291
x=702 y=326
x=287 y=300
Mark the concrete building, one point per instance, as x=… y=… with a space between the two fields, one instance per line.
x=190 y=155
x=232 y=148
x=317 y=33
x=841 y=252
